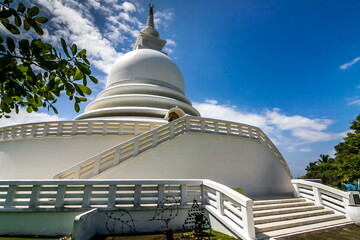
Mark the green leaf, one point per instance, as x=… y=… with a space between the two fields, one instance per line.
x=84 y=68
x=84 y=89
x=38 y=30
x=78 y=75
x=76 y=107
x=5 y=14
x=2 y=48
x=24 y=46
x=81 y=53
x=26 y=25
x=13 y=29
x=63 y=44
x=54 y=109
x=10 y=44
x=41 y=19
x=29 y=109
x=18 y=21
x=74 y=49
x=33 y=11
x=21 y=8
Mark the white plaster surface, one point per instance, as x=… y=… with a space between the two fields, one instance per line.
x=146 y=64
x=228 y=160
x=43 y=158
x=45 y=223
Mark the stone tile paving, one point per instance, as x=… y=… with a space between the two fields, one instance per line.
x=347 y=232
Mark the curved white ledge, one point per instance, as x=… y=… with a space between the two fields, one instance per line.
x=138 y=88
x=140 y=100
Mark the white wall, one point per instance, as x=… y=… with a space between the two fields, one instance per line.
x=45 y=157
x=229 y=160
x=45 y=223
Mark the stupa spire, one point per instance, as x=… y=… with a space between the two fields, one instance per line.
x=149 y=37
x=150 y=19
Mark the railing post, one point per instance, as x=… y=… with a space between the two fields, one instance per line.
x=86 y=196
x=135 y=147
x=34 y=198
x=59 y=129
x=77 y=172
x=154 y=139
x=161 y=192
x=204 y=194
x=137 y=196
x=171 y=131
x=10 y=196
x=136 y=129
x=220 y=202
x=104 y=131
x=248 y=219
x=46 y=129
x=73 y=129
x=183 y=193
x=317 y=195
x=187 y=125
x=96 y=166
x=112 y=196
x=228 y=128
x=89 y=128
x=60 y=195
x=296 y=190
x=117 y=157
x=202 y=126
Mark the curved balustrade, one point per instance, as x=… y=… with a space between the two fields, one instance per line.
x=231 y=208
x=74 y=128
x=321 y=194
x=139 y=144
x=117 y=154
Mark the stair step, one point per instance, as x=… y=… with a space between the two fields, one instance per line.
x=289 y=216
x=297 y=222
x=300 y=229
x=281 y=205
x=278 y=201
x=286 y=210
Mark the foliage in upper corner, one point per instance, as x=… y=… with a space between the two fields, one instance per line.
x=345 y=167
x=32 y=73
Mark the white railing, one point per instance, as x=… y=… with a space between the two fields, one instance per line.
x=117 y=154
x=231 y=208
x=83 y=194
x=323 y=195
x=74 y=128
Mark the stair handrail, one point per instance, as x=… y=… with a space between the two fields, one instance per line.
x=231 y=208
x=74 y=128
x=142 y=142
x=323 y=195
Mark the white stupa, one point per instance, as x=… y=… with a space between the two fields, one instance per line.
x=142 y=85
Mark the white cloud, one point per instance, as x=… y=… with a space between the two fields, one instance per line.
x=170 y=42
x=287 y=131
x=355 y=102
x=305 y=150
x=162 y=19
x=349 y=64
x=25 y=117
x=290 y=122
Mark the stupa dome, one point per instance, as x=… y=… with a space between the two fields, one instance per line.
x=146 y=66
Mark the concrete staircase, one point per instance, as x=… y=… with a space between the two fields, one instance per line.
x=274 y=218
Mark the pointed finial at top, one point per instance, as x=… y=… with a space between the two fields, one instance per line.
x=150 y=20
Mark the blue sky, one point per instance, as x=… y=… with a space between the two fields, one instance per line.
x=289 y=67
